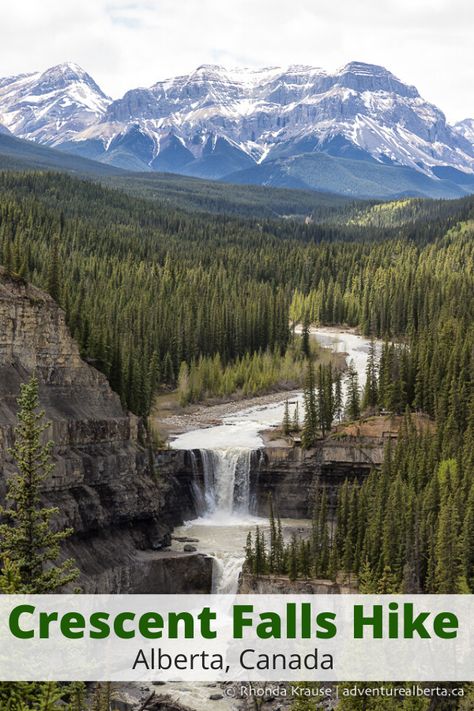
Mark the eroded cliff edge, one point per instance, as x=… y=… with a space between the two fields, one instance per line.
x=102 y=482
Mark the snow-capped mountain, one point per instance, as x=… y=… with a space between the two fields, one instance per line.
x=52 y=106
x=466 y=129
x=300 y=126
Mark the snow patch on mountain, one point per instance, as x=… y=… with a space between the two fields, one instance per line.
x=52 y=106
x=465 y=128
x=217 y=120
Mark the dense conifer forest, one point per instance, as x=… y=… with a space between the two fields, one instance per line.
x=146 y=287
x=159 y=298
x=156 y=296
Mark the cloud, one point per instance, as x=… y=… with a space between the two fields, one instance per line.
x=126 y=43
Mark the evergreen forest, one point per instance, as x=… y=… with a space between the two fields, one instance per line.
x=162 y=298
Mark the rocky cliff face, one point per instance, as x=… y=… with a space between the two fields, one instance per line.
x=102 y=483
x=281 y=585
x=289 y=474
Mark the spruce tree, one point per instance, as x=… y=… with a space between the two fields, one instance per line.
x=366 y=579
x=468 y=540
x=53 y=285
x=296 y=418
x=310 y=424
x=370 y=397
x=249 y=554
x=305 y=339
x=286 y=419
x=353 y=394
x=338 y=399
x=27 y=541
x=29 y=549
x=293 y=559
x=449 y=563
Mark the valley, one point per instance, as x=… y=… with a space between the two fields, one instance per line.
x=236 y=356
x=119 y=304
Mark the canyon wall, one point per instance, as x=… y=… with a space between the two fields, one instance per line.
x=289 y=474
x=280 y=585
x=103 y=482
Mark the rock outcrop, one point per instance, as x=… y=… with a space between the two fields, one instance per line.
x=287 y=473
x=290 y=473
x=102 y=483
x=281 y=585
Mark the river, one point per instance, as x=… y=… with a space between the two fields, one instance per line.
x=227 y=450
x=243 y=429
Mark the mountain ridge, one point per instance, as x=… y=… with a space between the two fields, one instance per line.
x=220 y=124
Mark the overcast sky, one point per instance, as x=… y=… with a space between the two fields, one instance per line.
x=125 y=43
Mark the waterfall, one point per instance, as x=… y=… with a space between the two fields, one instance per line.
x=225 y=573
x=225 y=489
x=198 y=496
x=221 y=493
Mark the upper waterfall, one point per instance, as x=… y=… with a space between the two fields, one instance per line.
x=226 y=482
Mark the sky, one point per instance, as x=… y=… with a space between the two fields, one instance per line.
x=125 y=43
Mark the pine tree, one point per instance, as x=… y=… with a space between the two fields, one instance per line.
x=249 y=555
x=370 y=397
x=273 y=537
x=449 y=568
x=310 y=425
x=27 y=540
x=296 y=418
x=77 y=696
x=286 y=419
x=353 y=394
x=279 y=548
x=260 y=557
x=468 y=540
x=23 y=696
x=293 y=559
x=387 y=584
x=29 y=549
x=53 y=285
x=366 y=579
x=338 y=400
x=305 y=339
x=305 y=559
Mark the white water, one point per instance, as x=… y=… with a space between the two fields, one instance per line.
x=242 y=429
x=225 y=542
x=223 y=503
x=226 y=481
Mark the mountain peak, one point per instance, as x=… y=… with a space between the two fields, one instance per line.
x=465 y=128
x=61 y=75
x=210 y=69
x=47 y=106
x=361 y=76
x=364 y=69
x=216 y=121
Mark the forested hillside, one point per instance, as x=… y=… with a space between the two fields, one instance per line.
x=146 y=288
x=177 y=191
x=158 y=296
